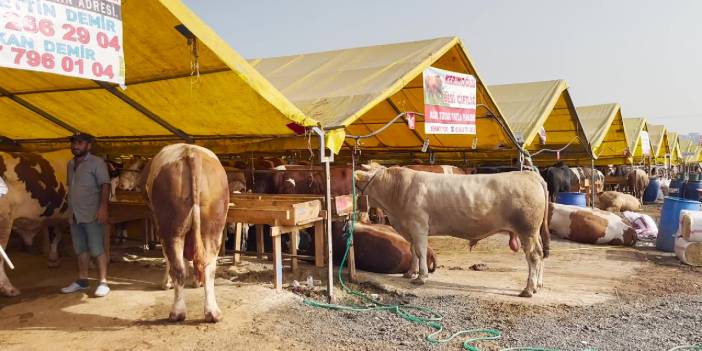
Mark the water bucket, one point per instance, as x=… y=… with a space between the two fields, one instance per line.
x=575 y=199
x=651 y=193
x=691 y=192
x=677 y=187
x=670 y=221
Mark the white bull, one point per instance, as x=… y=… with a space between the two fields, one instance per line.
x=470 y=207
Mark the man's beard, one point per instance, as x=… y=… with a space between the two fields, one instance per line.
x=79 y=153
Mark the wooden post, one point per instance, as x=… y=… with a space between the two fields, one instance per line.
x=319 y=244
x=259 y=241
x=277 y=260
x=223 y=244
x=352 y=263
x=146 y=235
x=237 y=243
x=294 y=239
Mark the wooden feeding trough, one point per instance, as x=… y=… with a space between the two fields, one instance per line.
x=287 y=215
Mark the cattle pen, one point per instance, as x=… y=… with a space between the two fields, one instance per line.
x=334 y=216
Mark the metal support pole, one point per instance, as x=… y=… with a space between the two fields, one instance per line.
x=6 y=258
x=593 y=191
x=327 y=174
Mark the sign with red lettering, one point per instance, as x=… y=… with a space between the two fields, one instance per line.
x=77 y=38
x=449 y=102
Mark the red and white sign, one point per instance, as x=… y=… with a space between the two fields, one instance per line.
x=72 y=38
x=645 y=143
x=449 y=102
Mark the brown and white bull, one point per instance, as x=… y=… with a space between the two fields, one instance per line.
x=589 y=226
x=381 y=249
x=36 y=200
x=187 y=191
x=422 y=204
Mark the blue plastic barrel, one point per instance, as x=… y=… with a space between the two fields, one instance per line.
x=677 y=187
x=651 y=192
x=670 y=220
x=691 y=192
x=575 y=199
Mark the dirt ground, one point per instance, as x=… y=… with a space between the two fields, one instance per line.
x=596 y=297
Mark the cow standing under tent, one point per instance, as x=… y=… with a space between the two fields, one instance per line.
x=420 y=204
x=187 y=191
x=638 y=181
x=558 y=179
x=35 y=202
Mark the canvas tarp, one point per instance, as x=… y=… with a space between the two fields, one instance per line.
x=633 y=128
x=659 y=142
x=675 y=155
x=529 y=107
x=605 y=131
x=359 y=90
x=690 y=149
x=165 y=100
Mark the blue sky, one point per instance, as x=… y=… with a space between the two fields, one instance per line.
x=644 y=54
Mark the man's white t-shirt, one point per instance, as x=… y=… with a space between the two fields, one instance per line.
x=3 y=187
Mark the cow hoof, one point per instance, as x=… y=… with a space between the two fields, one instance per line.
x=11 y=292
x=419 y=281
x=176 y=317
x=213 y=316
x=526 y=293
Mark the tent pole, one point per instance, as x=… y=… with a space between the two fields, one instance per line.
x=327 y=175
x=593 y=191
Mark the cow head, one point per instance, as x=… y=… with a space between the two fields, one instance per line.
x=129 y=177
x=366 y=175
x=237 y=187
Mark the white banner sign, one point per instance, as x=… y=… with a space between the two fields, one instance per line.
x=449 y=102
x=77 y=38
x=645 y=143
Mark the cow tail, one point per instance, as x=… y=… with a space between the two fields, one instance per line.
x=195 y=164
x=545 y=233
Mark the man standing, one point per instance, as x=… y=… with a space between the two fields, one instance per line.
x=88 y=193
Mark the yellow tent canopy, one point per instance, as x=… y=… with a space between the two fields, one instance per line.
x=359 y=90
x=633 y=128
x=690 y=149
x=537 y=109
x=659 y=142
x=605 y=129
x=165 y=100
x=675 y=154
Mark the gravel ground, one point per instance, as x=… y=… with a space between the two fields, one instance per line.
x=637 y=324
